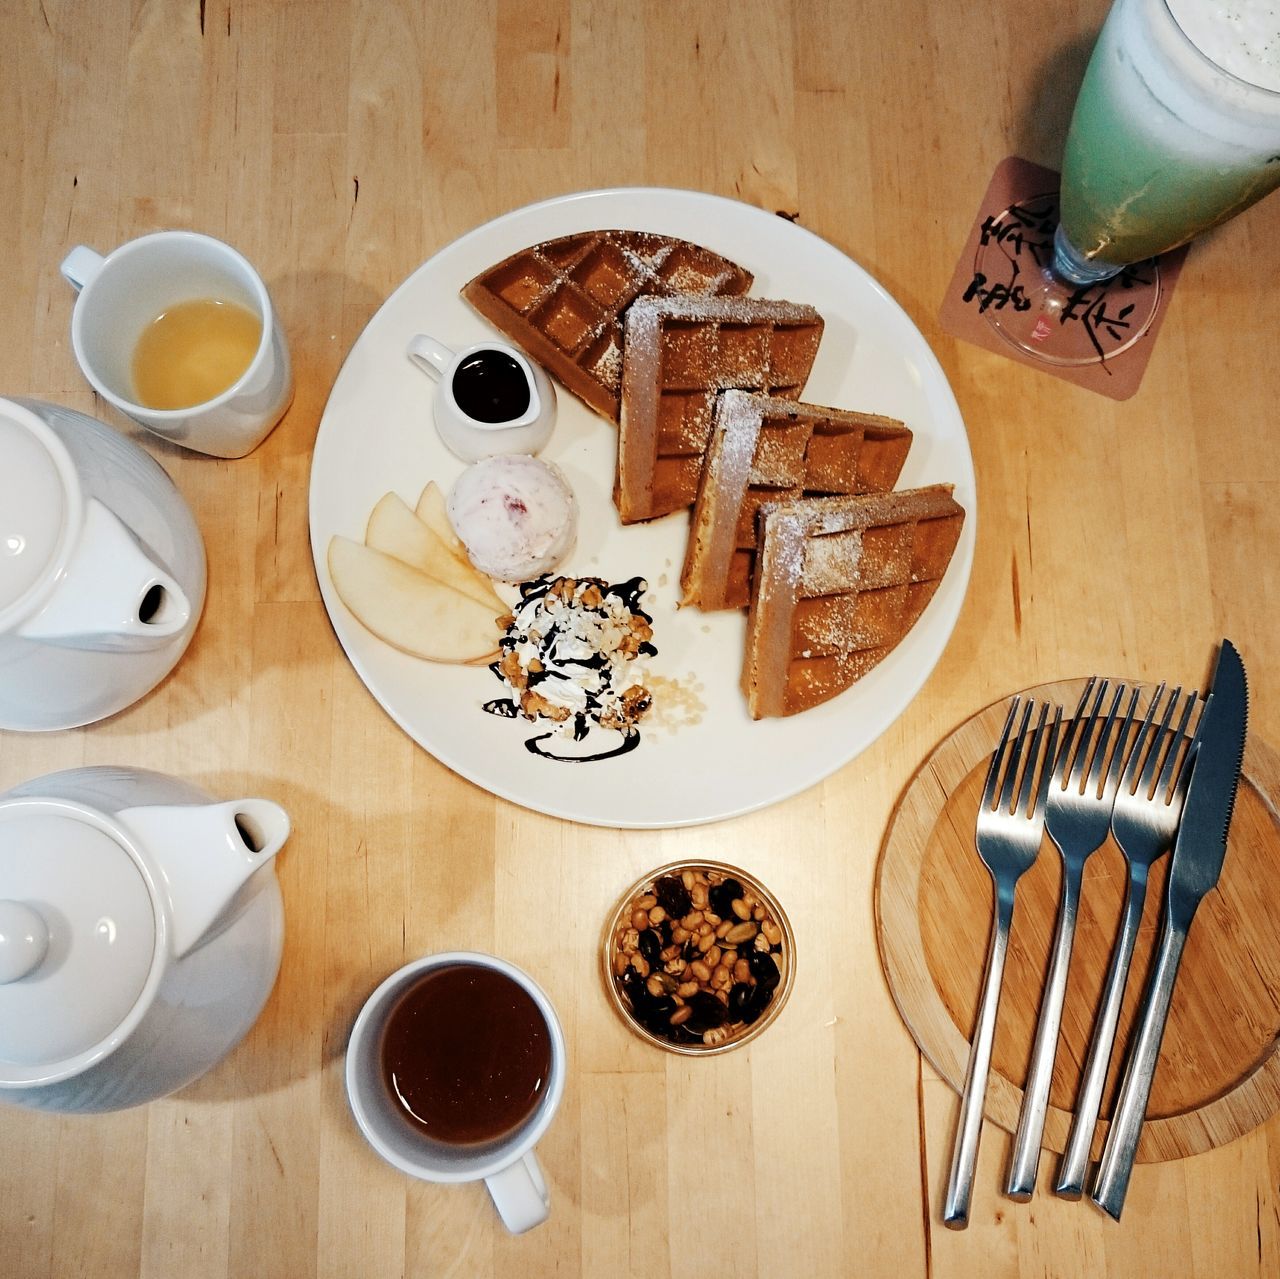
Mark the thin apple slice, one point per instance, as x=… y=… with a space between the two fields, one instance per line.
x=433 y=512
x=408 y=609
x=395 y=530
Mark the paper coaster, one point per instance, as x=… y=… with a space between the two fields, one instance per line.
x=1108 y=329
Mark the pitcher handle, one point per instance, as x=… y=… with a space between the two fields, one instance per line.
x=430 y=356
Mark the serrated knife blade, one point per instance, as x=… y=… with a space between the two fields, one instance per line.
x=1195 y=868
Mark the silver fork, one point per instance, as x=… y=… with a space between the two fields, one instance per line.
x=1010 y=827
x=1144 y=821
x=1077 y=815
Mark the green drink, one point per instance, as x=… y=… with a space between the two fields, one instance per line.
x=1173 y=131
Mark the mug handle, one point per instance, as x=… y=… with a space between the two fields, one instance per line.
x=81 y=265
x=429 y=355
x=520 y=1194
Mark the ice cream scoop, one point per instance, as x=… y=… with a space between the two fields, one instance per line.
x=516 y=516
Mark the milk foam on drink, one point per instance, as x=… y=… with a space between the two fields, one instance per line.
x=1163 y=145
x=1242 y=37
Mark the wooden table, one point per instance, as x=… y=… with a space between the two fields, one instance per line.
x=338 y=144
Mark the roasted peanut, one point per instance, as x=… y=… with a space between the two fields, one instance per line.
x=704 y=930
x=740 y=933
x=656 y=914
x=699 y=895
x=621 y=962
x=687 y=988
x=761 y=942
x=741 y=971
x=741 y=909
x=716 y=1035
x=640 y=920
x=681 y=1015
x=722 y=928
x=712 y=956
x=691 y=920
x=721 y=978
x=706 y=941
x=674 y=966
x=640 y=964
x=654 y=985
x=686 y=878
x=772 y=932
x=699 y=970
x=680 y=933
x=710 y=917
x=647 y=902
x=757 y=913
x=631 y=941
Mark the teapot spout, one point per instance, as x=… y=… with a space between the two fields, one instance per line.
x=112 y=595
x=206 y=857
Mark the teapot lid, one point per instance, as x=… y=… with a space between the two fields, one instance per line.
x=77 y=938
x=33 y=502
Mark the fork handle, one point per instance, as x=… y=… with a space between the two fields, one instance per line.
x=1075 y=1161
x=1121 y=1146
x=964 y=1154
x=1025 y=1159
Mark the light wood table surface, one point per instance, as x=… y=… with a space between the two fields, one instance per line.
x=339 y=143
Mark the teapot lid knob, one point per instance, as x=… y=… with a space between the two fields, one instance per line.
x=24 y=939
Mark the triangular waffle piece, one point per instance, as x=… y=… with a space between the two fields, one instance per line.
x=678 y=355
x=770 y=450
x=839 y=581
x=562 y=301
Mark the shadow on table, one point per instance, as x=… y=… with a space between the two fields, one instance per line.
x=1041 y=120
x=341 y=937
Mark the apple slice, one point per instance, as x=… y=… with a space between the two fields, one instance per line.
x=395 y=530
x=433 y=512
x=408 y=609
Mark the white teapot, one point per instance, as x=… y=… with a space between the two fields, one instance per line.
x=102 y=570
x=141 y=927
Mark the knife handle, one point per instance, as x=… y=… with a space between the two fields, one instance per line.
x=1116 y=1166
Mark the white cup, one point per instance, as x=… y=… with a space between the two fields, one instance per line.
x=121 y=294
x=507 y=1165
x=468 y=437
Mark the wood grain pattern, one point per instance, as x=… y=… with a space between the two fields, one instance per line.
x=339 y=143
x=1219 y=1073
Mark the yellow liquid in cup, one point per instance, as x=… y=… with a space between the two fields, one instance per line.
x=193 y=352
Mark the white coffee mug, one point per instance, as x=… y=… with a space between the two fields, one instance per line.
x=468 y=437
x=507 y=1164
x=121 y=294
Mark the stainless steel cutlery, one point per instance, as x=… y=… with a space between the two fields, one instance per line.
x=1152 y=786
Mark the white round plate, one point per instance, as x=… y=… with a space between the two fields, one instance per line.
x=701 y=756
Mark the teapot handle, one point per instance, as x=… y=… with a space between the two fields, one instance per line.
x=112 y=597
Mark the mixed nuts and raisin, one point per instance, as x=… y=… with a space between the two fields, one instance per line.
x=697 y=956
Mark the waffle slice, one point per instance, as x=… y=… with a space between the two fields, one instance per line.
x=678 y=355
x=839 y=581
x=563 y=300
x=770 y=450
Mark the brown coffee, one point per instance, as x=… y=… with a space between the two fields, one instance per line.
x=466 y=1054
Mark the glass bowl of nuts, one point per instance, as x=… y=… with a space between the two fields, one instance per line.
x=698 y=957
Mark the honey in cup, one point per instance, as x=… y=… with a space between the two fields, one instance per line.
x=465 y=1055
x=193 y=351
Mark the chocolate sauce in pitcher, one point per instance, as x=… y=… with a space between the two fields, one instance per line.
x=490 y=386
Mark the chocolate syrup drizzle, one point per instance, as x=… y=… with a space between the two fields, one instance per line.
x=558 y=667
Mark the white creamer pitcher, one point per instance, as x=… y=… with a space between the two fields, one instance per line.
x=102 y=570
x=141 y=927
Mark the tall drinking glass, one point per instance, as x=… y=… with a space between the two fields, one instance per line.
x=1176 y=129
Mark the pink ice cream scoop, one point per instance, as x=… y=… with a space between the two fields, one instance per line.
x=516 y=516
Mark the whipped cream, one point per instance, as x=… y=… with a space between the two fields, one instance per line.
x=572 y=659
x=1240 y=36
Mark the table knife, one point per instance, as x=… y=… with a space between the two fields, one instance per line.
x=1196 y=865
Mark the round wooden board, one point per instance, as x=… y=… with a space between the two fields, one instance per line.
x=1219 y=1072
